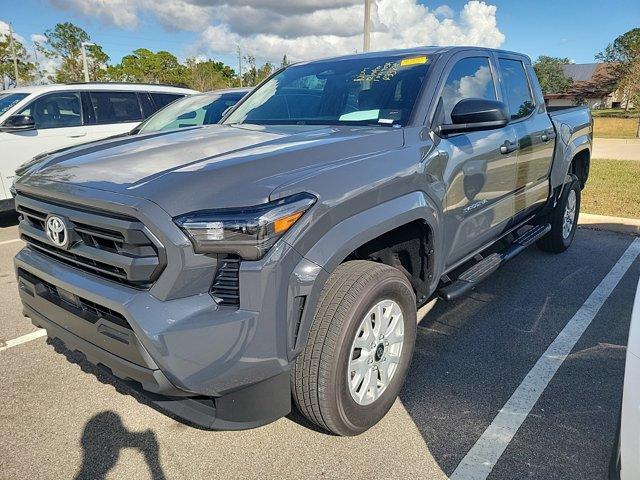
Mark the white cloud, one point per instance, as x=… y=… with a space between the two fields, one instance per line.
x=38 y=38
x=122 y=13
x=4 y=29
x=302 y=29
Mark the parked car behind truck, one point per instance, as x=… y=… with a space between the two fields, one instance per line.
x=283 y=253
x=34 y=120
x=192 y=111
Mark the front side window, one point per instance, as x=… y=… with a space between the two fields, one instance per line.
x=55 y=110
x=469 y=78
x=115 y=107
x=353 y=91
x=8 y=100
x=515 y=80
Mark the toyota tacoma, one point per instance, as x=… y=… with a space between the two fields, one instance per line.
x=224 y=270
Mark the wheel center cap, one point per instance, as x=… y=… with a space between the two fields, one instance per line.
x=379 y=352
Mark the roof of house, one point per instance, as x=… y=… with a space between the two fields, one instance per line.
x=580 y=72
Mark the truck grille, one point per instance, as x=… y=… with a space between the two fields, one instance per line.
x=115 y=247
x=84 y=308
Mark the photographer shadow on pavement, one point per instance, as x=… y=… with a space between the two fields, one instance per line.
x=103 y=438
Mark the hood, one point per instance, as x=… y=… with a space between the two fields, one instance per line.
x=216 y=166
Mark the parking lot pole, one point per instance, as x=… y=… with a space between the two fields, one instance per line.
x=367 y=25
x=85 y=65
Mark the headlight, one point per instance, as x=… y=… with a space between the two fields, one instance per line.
x=249 y=232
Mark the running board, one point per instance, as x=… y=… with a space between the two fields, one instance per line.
x=485 y=267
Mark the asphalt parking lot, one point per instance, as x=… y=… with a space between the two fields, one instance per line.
x=65 y=419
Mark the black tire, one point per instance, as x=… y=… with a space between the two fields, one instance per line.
x=555 y=241
x=319 y=376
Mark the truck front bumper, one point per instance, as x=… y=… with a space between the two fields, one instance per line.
x=186 y=356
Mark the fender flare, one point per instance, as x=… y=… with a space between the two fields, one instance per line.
x=311 y=273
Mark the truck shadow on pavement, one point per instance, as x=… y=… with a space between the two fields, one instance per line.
x=103 y=438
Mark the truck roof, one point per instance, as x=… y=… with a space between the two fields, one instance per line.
x=422 y=50
x=110 y=86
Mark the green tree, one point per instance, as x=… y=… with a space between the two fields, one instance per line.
x=550 y=74
x=209 y=75
x=143 y=65
x=26 y=69
x=254 y=74
x=64 y=41
x=285 y=61
x=623 y=54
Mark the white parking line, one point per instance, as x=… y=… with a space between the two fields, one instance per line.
x=11 y=241
x=483 y=456
x=23 y=339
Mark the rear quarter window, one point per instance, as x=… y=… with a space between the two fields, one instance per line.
x=163 y=99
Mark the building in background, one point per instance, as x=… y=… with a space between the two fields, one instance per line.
x=593 y=85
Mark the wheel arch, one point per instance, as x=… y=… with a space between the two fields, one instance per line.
x=399 y=219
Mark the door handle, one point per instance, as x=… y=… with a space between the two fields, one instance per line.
x=509 y=147
x=77 y=135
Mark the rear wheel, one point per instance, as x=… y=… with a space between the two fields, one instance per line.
x=359 y=348
x=563 y=219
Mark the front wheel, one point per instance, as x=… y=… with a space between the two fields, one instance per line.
x=563 y=219
x=359 y=348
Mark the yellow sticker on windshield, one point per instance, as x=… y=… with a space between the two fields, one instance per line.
x=406 y=62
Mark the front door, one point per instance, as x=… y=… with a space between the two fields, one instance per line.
x=479 y=175
x=59 y=124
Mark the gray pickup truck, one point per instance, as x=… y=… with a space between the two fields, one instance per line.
x=223 y=270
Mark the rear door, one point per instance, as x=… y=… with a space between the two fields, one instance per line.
x=533 y=127
x=480 y=180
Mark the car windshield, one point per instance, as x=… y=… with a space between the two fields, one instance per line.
x=363 y=90
x=190 y=111
x=8 y=100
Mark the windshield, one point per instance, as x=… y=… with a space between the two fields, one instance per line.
x=356 y=91
x=8 y=100
x=190 y=111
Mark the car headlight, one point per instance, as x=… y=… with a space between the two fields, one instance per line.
x=249 y=231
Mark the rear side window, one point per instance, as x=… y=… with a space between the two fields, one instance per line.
x=163 y=99
x=116 y=107
x=469 y=78
x=55 y=110
x=516 y=84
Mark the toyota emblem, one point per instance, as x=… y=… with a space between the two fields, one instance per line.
x=56 y=231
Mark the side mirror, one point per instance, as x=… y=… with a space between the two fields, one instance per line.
x=474 y=114
x=18 y=123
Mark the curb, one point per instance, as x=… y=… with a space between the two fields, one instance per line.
x=627 y=226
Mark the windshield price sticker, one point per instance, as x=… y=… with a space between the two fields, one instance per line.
x=407 y=62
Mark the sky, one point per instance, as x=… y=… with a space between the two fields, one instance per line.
x=306 y=29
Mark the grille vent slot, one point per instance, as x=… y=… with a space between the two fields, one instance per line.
x=225 y=289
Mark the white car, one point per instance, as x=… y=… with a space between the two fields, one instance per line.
x=625 y=463
x=39 y=119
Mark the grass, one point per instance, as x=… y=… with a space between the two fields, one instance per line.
x=611 y=127
x=613 y=188
x=616 y=112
